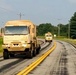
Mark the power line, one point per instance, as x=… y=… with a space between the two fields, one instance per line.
x=4 y=8
x=69 y=30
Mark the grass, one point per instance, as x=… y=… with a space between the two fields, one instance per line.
x=42 y=37
x=62 y=38
x=66 y=39
x=70 y=40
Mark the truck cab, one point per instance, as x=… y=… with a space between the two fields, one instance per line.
x=19 y=37
x=48 y=37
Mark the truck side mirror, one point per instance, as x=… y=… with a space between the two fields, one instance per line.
x=29 y=29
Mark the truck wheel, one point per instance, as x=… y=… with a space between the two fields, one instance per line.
x=45 y=40
x=34 y=52
x=38 y=50
x=30 y=54
x=6 y=55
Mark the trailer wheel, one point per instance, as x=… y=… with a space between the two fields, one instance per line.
x=6 y=55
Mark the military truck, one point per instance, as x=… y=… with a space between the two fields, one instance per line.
x=20 y=38
x=48 y=37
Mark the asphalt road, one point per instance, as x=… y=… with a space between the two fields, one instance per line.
x=62 y=61
x=13 y=65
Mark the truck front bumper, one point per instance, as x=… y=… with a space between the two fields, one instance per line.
x=22 y=47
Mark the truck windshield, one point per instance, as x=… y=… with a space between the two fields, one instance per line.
x=16 y=30
x=48 y=36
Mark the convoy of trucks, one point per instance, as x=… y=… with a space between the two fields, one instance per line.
x=48 y=37
x=20 y=38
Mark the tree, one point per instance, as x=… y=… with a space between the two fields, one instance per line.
x=73 y=26
x=44 y=28
x=63 y=29
x=48 y=27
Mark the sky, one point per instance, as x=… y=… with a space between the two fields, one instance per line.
x=37 y=11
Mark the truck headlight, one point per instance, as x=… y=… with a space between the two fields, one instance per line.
x=24 y=45
x=7 y=45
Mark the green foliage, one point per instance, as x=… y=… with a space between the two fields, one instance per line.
x=63 y=30
x=44 y=28
x=48 y=27
x=42 y=37
x=73 y=26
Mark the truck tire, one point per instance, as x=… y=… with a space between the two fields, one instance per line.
x=5 y=55
x=51 y=40
x=30 y=54
x=34 y=52
x=38 y=50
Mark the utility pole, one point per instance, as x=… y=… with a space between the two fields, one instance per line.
x=20 y=15
x=69 y=30
x=58 y=30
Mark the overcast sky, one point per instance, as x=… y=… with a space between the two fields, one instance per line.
x=38 y=11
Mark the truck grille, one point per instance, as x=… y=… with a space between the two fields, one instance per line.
x=15 y=44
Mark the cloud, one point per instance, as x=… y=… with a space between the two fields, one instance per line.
x=72 y=1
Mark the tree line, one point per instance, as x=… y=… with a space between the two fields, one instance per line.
x=68 y=30
x=48 y=27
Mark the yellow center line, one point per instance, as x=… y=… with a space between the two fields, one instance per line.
x=37 y=62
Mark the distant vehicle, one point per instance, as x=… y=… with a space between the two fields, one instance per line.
x=20 y=38
x=48 y=37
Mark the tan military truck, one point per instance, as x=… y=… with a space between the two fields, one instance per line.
x=48 y=37
x=20 y=38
